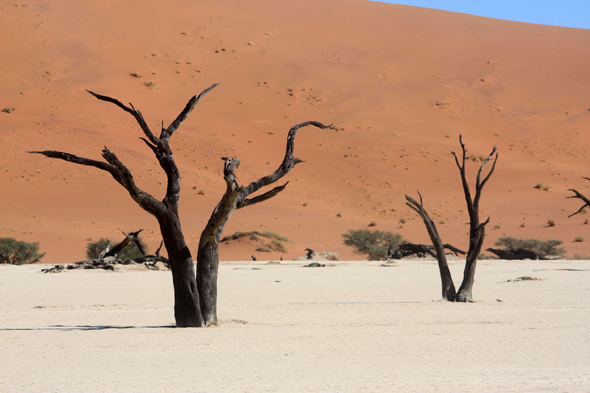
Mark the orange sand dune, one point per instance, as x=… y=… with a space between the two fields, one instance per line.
x=400 y=83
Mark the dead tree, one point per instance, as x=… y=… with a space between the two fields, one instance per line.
x=579 y=196
x=476 y=231
x=132 y=237
x=188 y=307
x=235 y=197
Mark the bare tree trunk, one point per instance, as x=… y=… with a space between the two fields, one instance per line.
x=235 y=197
x=187 y=310
x=476 y=229
x=448 y=288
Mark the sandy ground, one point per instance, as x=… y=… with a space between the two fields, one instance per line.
x=352 y=327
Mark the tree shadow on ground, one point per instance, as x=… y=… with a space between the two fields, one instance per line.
x=67 y=328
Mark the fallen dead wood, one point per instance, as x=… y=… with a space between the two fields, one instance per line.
x=409 y=249
x=151 y=262
x=107 y=259
x=519 y=254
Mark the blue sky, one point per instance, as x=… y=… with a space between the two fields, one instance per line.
x=569 y=13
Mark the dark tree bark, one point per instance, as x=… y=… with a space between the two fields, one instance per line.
x=187 y=311
x=235 y=197
x=579 y=196
x=476 y=229
x=476 y=232
x=448 y=288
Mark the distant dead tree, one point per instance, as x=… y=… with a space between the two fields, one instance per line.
x=476 y=232
x=131 y=237
x=195 y=295
x=579 y=196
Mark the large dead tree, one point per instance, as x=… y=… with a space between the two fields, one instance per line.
x=194 y=294
x=476 y=232
x=579 y=196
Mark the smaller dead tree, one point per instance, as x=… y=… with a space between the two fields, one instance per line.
x=579 y=196
x=476 y=231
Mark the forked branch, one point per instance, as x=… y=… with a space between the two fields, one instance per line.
x=473 y=204
x=579 y=196
x=288 y=163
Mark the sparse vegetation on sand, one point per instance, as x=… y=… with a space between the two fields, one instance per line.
x=8 y=110
x=541 y=186
x=372 y=243
x=542 y=248
x=275 y=244
x=267 y=234
x=17 y=252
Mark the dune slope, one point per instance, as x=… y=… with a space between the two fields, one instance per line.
x=400 y=84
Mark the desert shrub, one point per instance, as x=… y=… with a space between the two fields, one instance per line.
x=17 y=252
x=273 y=246
x=93 y=249
x=579 y=239
x=277 y=245
x=541 y=186
x=582 y=257
x=267 y=234
x=373 y=243
x=540 y=247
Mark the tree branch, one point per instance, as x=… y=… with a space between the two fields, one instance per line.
x=466 y=190
x=167 y=133
x=261 y=198
x=118 y=171
x=137 y=114
x=579 y=196
x=288 y=162
x=81 y=161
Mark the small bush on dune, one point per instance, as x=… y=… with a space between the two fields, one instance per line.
x=16 y=252
x=267 y=234
x=375 y=244
x=540 y=247
x=94 y=249
x=275 y=244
